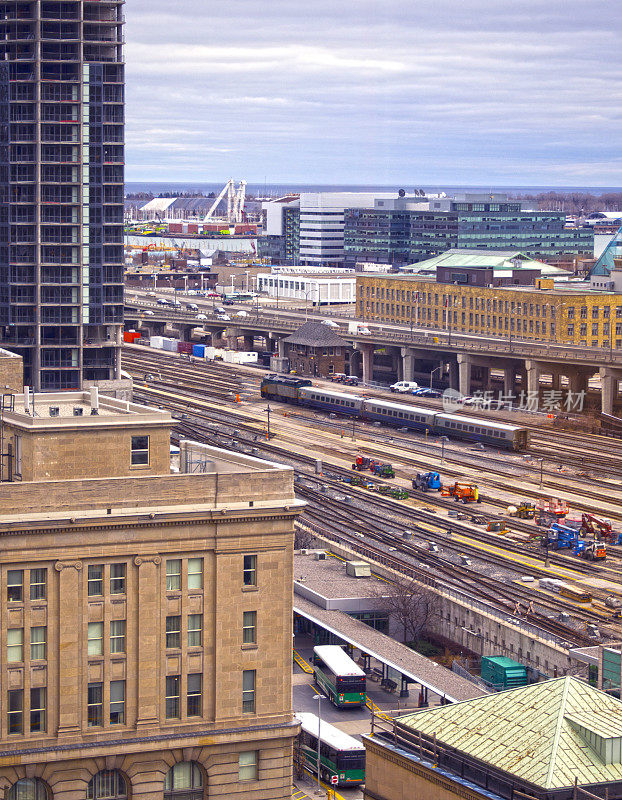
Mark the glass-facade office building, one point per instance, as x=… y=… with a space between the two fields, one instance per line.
x=397 y=237
x=61 y=188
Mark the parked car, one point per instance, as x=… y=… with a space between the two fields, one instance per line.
x=148 y=313
x=223 y=317
x=338 y=377
x=202 y=316
x=351 y=380
x=403 y=387
x=429 y=393
x=329 y=323
x=242 y=314
x=162 y=301
x=192 y=307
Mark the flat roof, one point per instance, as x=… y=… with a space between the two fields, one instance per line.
x=394 y=654
x=327 y=579
x=81 y=409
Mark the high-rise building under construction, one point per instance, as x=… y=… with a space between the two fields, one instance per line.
x=61 y=188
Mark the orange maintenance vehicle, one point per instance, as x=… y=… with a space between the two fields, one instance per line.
x=467 y=492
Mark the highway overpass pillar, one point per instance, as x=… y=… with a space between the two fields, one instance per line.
x=508 y=381
x=367 y=352
x=577 y=382
x=556 y=381
x=465 y=363
x=249 y=342
x=408 y=364
x=454 y=376
x=609 y=380
x=533 y=378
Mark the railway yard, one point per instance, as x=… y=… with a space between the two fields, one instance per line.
x=425 y=536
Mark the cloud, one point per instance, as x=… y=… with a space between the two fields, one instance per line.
x=364 y=91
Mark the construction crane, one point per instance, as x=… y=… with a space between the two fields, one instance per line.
x=235 y=202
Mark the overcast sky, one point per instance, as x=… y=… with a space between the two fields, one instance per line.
x=407 y=92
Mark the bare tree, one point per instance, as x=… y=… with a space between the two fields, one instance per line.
x=411 y=605
x=303 y=539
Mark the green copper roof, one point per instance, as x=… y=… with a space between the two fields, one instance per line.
x=495 y=259
x=547 y=733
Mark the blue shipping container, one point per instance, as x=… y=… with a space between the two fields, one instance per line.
x=198 y=350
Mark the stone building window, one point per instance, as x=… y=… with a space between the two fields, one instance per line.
x=15 y=585
x=173 y=632
x=140 y=451
x=117 y=636
x=247 y=765
x=95 y=639
x=195 y=573
x=38 y=581
x=117 y=579
x=173 y=575
x=195 y=626
x=249 y=627
x=37 y=643
x=95 y=705
x=95 y=580
x=250 y=570
x=37 y=710
x=248 y=691
x=14 y=645
x=184 y=781
x=172 y=708
x=194 y=694
x=117 y=703
x=27 y=789
x=15 y=711
x=108 y=784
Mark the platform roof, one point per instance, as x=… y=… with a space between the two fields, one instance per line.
x=394 y=654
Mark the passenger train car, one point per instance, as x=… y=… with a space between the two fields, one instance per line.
x=301 y=392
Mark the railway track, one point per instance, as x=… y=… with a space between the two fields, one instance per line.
x=487 y=588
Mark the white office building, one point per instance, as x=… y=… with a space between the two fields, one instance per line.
x=322 y=222
x=324 y=289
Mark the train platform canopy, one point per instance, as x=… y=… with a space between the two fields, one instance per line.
x=413 y=666
x=546 y=735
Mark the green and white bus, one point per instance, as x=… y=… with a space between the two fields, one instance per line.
x=336 y=674
x=341 y=755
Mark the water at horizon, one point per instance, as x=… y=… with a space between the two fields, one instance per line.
x=279 y=189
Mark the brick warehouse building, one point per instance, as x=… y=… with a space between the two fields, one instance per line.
x=146 y=623
x=564 y=314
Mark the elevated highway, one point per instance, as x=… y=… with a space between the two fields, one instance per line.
x=467 y=359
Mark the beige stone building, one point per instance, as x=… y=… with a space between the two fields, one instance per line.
x=146 y=622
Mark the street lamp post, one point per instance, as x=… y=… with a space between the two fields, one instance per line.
x=443 y=440
x=436 y=369
x=319 y=698
x=268 y=413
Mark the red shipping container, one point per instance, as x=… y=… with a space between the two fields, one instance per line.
x=185 y=347
x=175 y=227
x=193 y=228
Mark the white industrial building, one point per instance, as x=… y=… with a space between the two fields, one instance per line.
x=324 y=289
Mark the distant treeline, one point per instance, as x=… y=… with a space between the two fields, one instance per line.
x=574 y=202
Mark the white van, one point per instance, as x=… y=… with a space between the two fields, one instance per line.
x=403 y=387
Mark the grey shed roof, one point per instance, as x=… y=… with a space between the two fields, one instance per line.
x=316 y=334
